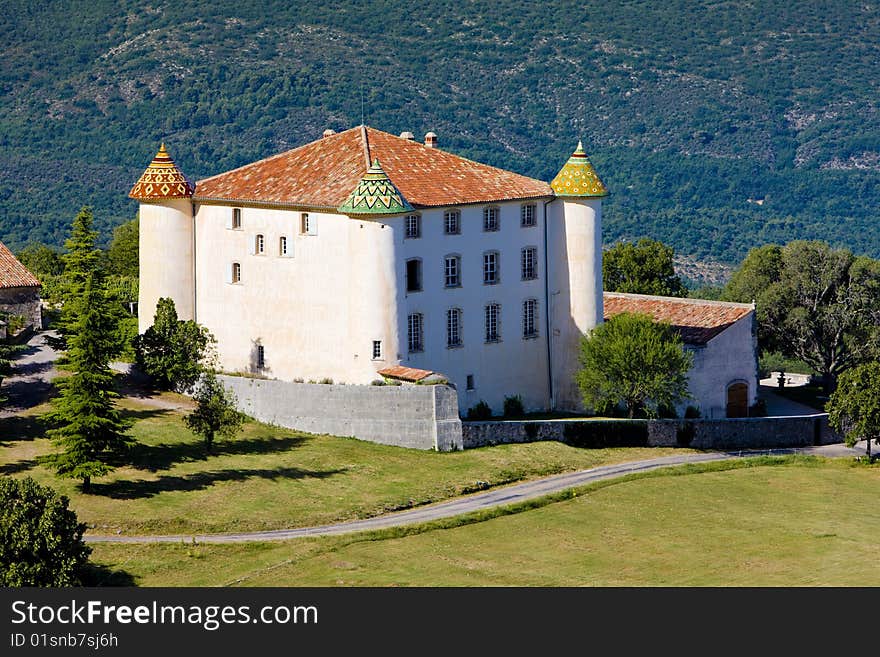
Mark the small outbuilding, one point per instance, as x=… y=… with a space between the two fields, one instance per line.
x=19 y=291
x=722 y=337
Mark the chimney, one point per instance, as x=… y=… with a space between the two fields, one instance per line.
x=328 y=132
x=431 y=140
x=407 y=135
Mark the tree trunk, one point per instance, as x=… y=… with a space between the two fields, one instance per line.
x=87 y=484
x=209 y=440
x=868 y=445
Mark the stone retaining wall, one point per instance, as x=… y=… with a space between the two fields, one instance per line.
x=724 y=434
x=421 y=417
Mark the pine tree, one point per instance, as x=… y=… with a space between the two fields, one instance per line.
x=81 y=262
x=87 y=425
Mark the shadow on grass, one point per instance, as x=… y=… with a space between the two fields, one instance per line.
x=23 y=394
x=95 y=574
x=129 y=490
x=21 y=427
x=165 y=455
x=17 y=466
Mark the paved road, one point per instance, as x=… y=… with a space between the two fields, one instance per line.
x=30 y=383
x=479 y=502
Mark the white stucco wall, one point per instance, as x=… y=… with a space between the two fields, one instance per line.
x=315 y=311
x=511 y=366
x=575 y=240
x=728 y=358
x=165 y=258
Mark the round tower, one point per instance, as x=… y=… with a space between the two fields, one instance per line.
x=166 y=260
x=377 y=204
x=574 y=242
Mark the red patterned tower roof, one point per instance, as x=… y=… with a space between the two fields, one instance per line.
x=162 y=180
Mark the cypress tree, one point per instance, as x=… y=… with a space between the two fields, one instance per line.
x=87 y=425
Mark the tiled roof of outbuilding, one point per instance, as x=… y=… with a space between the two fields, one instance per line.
x=323 y=173
x=13 y=273
x=696 y=320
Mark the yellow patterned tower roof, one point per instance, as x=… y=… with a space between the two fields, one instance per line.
x=578 y=177
x=162 y=180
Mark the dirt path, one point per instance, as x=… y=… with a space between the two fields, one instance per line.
x=31 y=380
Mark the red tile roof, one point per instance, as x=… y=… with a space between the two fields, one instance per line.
x=323 y=173
x=697 y=320
x=405 y=373
x=13 y=273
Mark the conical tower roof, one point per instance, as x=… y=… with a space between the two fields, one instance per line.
x=375 y=194
x=162 y=180
x=578 y=177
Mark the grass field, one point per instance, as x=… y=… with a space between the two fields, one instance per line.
x=773 y=522
x=271 y=478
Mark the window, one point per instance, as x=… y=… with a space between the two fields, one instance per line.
x=413 y=226
x=261 y=357
x=453 y=327
x=282 y=245
x=490 y=219
x=414 y=332
x=259 y=245
x=235 y=274
x=527 y=215
x=530 y=318
x=308 y=225
x=377 y=349
x=490 y=268
x=452 y=222
x=452 y=271
x=469 y=385
x=414 y=275
x=236 y=218
x=529 y=263
x=493 y=322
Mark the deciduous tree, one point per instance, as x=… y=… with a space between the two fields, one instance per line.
x=633 y=360
x=40 y=539
x=215 y=411
x=814 y=303
x=854 y=407
x=171 y=351
x=642 y=268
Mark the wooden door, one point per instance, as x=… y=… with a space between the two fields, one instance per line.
x=738 y=400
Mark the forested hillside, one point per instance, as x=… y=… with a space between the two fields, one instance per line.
x=716 y=125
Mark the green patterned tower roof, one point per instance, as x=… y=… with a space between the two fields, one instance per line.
x=375 y=194
x=578 y=177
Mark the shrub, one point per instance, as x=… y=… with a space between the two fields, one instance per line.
x=692 y=413
x=480 y=411
x=326 y=381
x=758 y=409
x=40 y=539
x=377 y=382
x=513 y=406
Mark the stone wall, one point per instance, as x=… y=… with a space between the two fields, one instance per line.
x=23 y=301
x=420 y=417
x=724 y=434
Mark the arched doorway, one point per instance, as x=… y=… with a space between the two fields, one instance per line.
x=738 y=399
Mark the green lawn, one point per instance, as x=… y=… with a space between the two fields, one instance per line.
x=799 y=522
x=271 y=478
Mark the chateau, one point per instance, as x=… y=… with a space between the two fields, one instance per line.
x=364 y=255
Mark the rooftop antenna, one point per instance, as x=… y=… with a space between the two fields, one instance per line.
x=362 y=103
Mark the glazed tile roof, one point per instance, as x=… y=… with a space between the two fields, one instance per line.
x=696 y=320
x=405 y=373
x=375 y=194
x=13 y=273
x=578 y=177
x=161 y=180
x=323 y=173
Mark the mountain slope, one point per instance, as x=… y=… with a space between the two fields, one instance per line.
x=716 y=125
